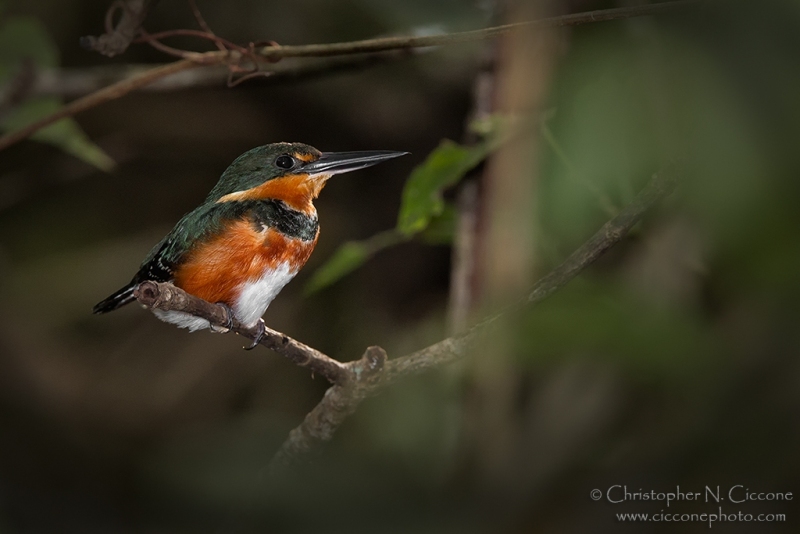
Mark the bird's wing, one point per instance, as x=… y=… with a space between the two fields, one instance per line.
x=208 y=220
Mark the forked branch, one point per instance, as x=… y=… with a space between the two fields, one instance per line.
x=340 y=401
x=354 y=381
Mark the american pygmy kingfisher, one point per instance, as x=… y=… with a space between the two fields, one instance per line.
x=255 y=230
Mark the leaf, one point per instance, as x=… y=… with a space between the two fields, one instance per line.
x=422 y=195
x=422 y=210
x=442 y=227
x=349 y=257
x=445 y=167
x=66 y=134
x=26 y=39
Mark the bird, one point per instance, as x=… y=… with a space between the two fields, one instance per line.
x=251 y=235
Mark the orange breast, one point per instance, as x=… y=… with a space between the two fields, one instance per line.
x=215 y=270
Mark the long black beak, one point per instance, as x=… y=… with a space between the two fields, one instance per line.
x=339 y=162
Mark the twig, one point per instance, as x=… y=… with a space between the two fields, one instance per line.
x=72 y=83
x=338 y=403
x=222 y=44
x=342 y=400
x=78 y=82
x=276 y=52
x=202 y=21
x=116 y=40
x=106 y=94
x=167 y=297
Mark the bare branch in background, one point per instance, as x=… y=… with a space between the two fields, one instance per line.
x=276 y=52
x=112 y=92
x=450 y=349
x=74 y=83
x=117 y=38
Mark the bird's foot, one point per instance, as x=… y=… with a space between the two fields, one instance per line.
x=227 y=327
x=262 y=330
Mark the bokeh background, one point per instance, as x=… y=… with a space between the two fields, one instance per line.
x=672 y=362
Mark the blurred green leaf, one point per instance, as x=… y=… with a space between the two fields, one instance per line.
x=602 y=198
x=423 y=210
x=349 y=257
x=442 y=228
x=443 y=168
x=25 y=39
x=610 y=322
x=66 y=134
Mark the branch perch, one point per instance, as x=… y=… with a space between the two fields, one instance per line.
x=167 y=297
x=354 y=381
x=341 y=400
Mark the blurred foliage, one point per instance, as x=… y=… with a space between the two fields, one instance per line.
x=423 y=210
x=617 y=326
x=350 y=256
x=673 y=361
x=443 y=168
x=25 y=45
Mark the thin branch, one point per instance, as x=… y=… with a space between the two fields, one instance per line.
x=222 y=44
x=116 y=40
x=112 y=92
x=77 y=82
x=167 y=297
x=341 y=400
x=202 y=22
x=276 y=52
x=338 y=403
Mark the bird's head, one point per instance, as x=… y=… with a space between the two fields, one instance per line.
x=292 y=172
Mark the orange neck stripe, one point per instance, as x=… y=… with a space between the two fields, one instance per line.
x=296 y=190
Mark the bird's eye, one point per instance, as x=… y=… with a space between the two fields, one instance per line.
x=285 y=162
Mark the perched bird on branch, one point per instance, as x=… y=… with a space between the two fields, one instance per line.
x=251 y=235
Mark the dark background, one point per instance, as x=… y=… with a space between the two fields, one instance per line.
x=673 y=362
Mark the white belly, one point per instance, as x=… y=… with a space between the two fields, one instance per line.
x=254 y=298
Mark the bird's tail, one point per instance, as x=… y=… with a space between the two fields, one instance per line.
x=117 y=300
